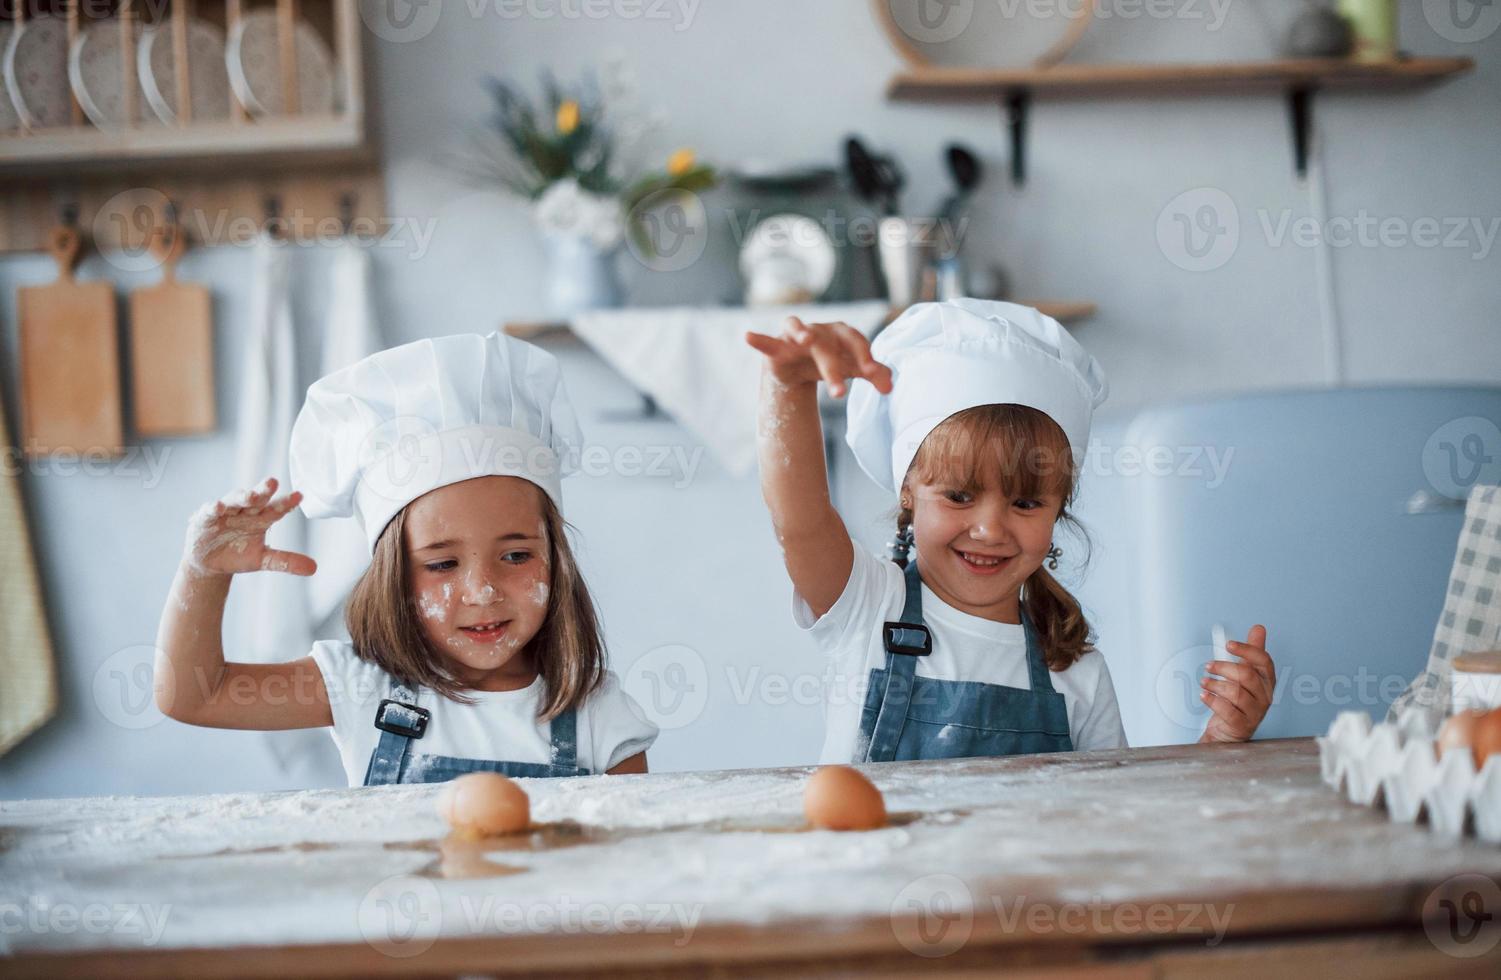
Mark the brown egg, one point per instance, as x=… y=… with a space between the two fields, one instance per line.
x=1458 y=732
x=484 y=804
x=1487 y=740
x=839 y=798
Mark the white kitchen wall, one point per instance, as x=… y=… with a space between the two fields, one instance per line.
x=686 y=571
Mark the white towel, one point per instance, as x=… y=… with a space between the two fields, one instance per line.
x=696 y=364
x=276 y=626
x=338 y=544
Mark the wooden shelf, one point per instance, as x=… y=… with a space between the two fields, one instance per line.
x=282 y=143
x=1062 y=311
x=1298 y=79
x=1108 y=80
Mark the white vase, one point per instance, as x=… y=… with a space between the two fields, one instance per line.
x=579 y=276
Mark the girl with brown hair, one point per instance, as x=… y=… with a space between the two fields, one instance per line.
x=975 y=414
x=474 y=643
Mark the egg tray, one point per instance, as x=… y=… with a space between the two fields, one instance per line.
x=1394 y=766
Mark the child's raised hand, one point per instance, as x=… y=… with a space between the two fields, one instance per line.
x=1239 y=694
x=229 y=536
x=829 y=352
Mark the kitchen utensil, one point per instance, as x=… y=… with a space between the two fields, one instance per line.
x=255 y=72
x=172 y=346
x=70 y=378
x=903 y=253
x=965 y=168
x=876 y=178
x=36 y=72
x=208 y=87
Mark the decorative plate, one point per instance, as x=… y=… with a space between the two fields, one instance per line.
x=36 y=72
x=254 y=62
x=208 y=84
x=96 y=70
x=10 y=120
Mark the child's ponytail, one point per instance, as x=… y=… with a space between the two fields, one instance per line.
x=1058 y=619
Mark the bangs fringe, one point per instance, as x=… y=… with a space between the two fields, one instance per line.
x=1018 y=449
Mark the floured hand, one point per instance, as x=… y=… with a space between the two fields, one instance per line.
x=828 y=352
x=228 y=537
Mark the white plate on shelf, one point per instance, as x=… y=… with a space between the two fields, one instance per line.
x=208 y=85
x=36 y=72
x=10 y=119
x=96 y=65
x=254 y=61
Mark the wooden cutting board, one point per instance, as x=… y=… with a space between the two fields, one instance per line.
x=70 y=375
x=172 y=348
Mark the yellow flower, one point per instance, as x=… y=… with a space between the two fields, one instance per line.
x=568 y=117
x=681 y=162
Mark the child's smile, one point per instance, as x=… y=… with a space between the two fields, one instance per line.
x=478 y=562
x=977 y=547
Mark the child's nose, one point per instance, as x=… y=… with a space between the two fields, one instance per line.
x=479 y=590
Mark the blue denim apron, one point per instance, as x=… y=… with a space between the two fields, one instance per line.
x=907 y=716
x=401 y=722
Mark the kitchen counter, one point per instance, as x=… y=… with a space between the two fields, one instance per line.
x=1139 y=862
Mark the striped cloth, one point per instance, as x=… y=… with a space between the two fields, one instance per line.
x=1471 y=620
x=28 y=691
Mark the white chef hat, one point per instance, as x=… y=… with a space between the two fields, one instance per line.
x=380 y=433
x=947 y=357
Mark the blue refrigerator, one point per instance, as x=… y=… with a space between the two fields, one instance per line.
x=1331 y=516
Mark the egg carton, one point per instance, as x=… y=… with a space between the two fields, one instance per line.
x=1394 y=766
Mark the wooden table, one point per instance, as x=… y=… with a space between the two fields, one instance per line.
x=1137 y=863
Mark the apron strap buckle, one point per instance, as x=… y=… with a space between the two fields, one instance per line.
x=400 y=718
x=908 y=639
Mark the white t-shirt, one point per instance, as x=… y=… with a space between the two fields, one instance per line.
x=965 y=648
x=498 y=725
